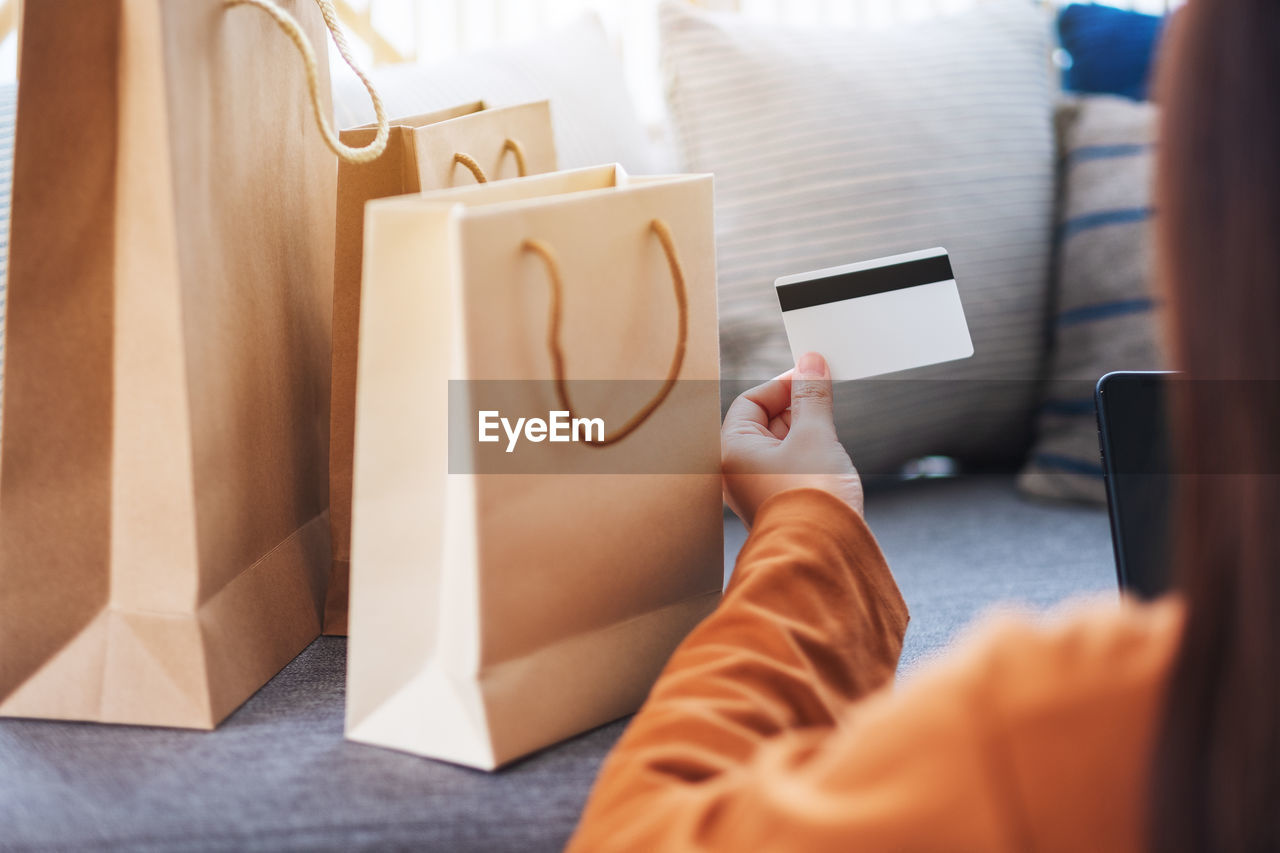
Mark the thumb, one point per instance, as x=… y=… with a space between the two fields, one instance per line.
x=811 y=392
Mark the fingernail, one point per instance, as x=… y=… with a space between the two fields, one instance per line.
x=812 y=366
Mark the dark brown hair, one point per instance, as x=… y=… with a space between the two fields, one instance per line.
x=1216 y=772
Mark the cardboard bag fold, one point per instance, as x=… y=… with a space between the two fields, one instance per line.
x=493 y=614
x=463 y=145
x=163 y=537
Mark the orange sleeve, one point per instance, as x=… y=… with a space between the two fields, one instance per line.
x=774 y=726
x=811 y=622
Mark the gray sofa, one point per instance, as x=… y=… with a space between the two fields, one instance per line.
x=278 y=775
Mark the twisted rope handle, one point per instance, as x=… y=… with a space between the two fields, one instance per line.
x=289 y=26
x=472 y=166
x=469 y=162
x=517 y=150
x=552 y=263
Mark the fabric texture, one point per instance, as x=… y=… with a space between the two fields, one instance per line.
x=1111 y=49
x=1105 y=312
x=775 y=725
x=835 y=146
x=595 y=119
x=277 y=774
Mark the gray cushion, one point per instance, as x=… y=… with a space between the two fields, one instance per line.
x=277 y=774
x=959 y=547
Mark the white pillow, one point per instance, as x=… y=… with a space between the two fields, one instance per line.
x=576 y=68
x=833 y=146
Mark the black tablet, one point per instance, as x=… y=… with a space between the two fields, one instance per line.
x=1133 y=430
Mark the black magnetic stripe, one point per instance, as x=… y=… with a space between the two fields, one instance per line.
x=851 y=285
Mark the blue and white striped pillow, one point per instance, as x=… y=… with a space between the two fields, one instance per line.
x=1104 y=316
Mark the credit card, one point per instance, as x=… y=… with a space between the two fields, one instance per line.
x=877 y=316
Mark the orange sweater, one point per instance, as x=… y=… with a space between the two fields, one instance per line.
x=776 y=726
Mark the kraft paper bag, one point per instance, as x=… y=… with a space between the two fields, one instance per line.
x=464 y=145
x=164 y=538
x=495 y=609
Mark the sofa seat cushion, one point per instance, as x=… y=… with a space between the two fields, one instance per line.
x=278 y=775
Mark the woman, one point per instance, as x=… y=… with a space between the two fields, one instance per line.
x=1125 y=726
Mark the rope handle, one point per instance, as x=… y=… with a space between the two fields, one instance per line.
x=552 y=263
x=469 y=162
x=290 y=27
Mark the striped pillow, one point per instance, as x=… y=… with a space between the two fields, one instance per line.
x=832 y=146
x=1103 y=316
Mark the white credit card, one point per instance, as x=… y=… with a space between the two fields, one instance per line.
x=877 y=316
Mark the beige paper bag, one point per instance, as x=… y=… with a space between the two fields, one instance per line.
x=461 y=145
x=163 y=535
x=495 y=613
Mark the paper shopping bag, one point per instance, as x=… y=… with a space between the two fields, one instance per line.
x=464 y=145
x=163 y=532
x=503 y=601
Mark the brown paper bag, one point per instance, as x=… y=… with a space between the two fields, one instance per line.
x=498 y=606
x=163 y=535
x=461 y=145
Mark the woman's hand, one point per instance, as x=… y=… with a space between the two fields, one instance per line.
x=782 y=435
